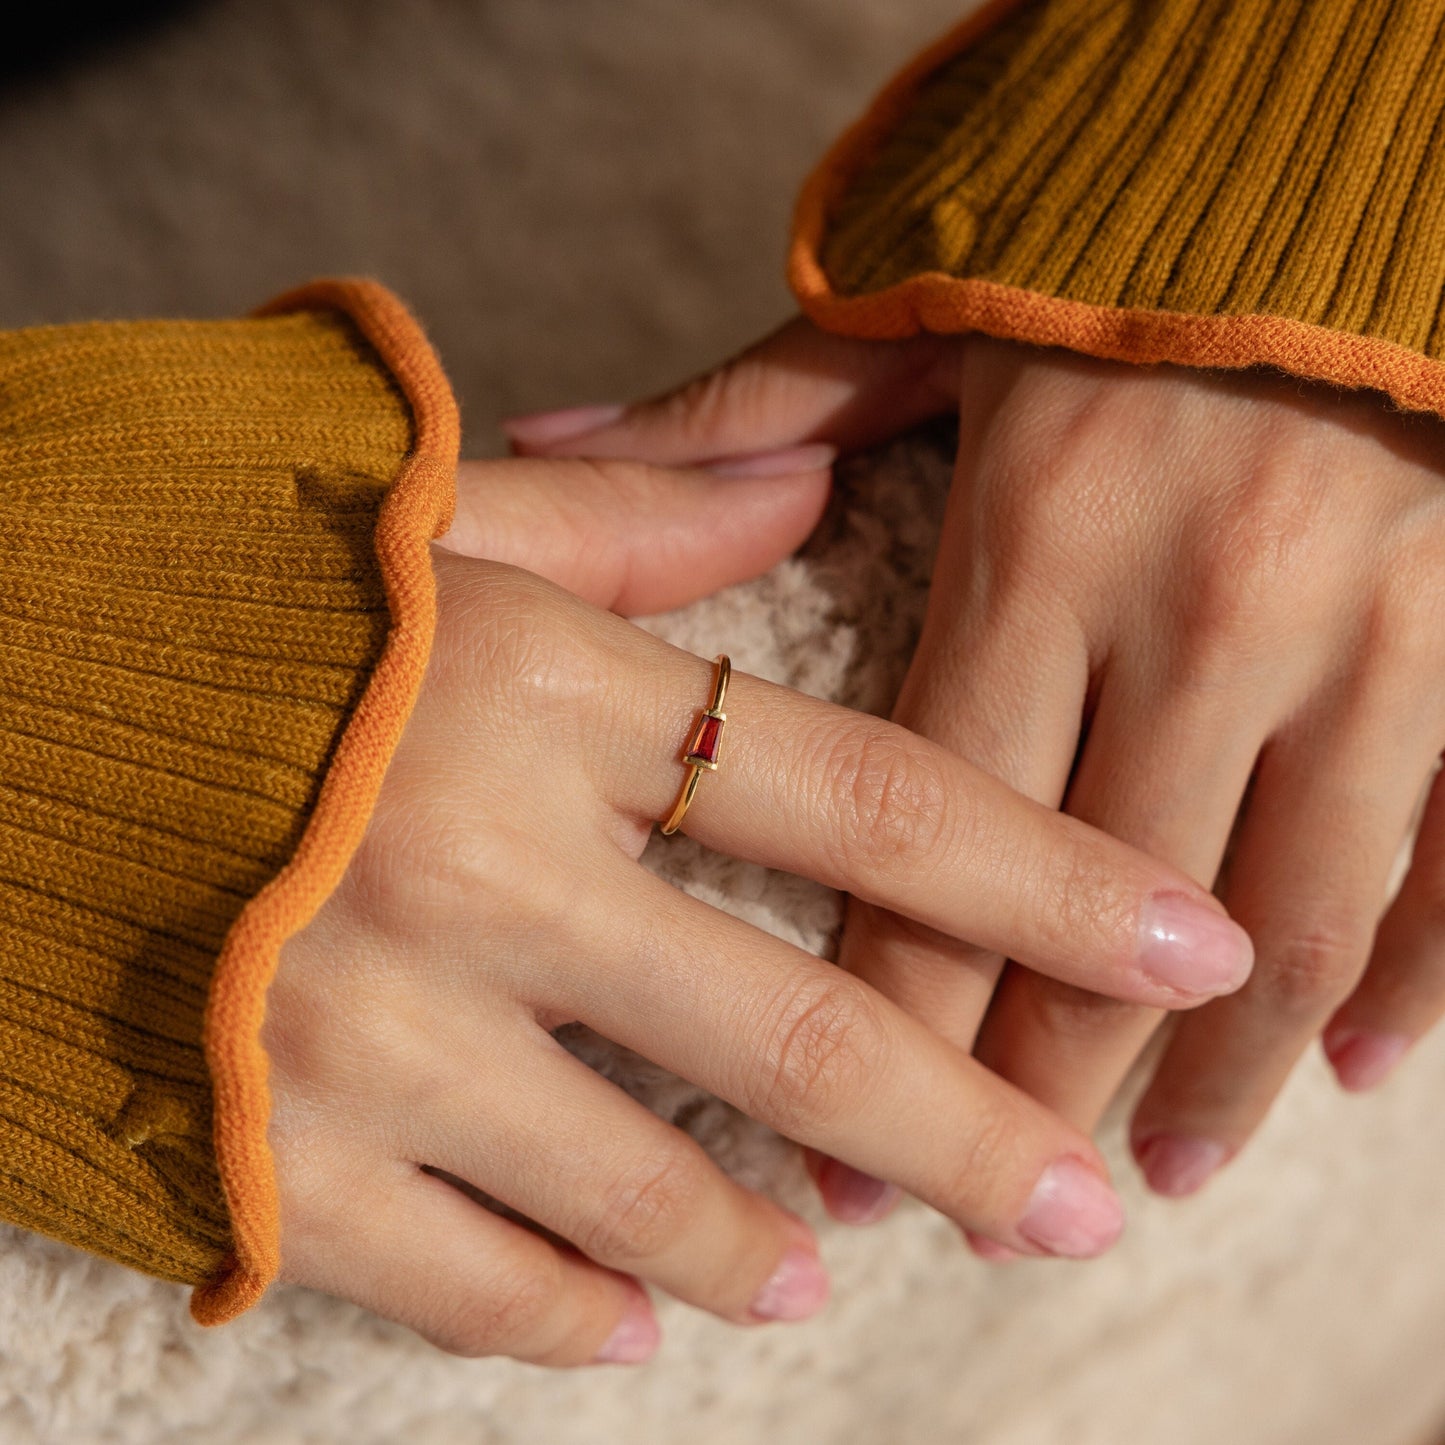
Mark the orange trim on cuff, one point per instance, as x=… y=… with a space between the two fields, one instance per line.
x=417 y=508
x=934 y=301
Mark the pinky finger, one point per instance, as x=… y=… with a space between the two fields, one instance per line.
x=473 y=1283
x=1402 y=994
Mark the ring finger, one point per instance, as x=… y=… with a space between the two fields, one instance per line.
x=1164 y=770
x=868 y=808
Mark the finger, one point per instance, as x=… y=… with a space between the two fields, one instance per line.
x=866 y=807
x=1164 y=770
x=800 y=384
x=801 y=1046
x=1402 y=995
x=572 y=1152
x=638 y=539
x=967 y=691
x=419 y=1252
x=1310 y=875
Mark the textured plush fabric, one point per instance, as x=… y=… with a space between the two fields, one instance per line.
x=195 y=603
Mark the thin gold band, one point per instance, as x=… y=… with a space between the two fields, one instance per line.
x=704 y=745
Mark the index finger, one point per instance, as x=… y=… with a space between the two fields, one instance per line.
x=867 y=807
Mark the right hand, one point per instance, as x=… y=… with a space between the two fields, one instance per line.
x=497 y=895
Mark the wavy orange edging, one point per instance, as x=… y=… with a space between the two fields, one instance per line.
x=934 y=301
x=417 y=508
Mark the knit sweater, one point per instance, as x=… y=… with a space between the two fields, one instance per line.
x=217 y=602
x=1208 y=182
x=214 y=573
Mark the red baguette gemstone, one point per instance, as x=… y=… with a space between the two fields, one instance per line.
x=704 y=745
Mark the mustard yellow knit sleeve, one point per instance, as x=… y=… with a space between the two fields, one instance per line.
x=215 y=609
x=1208 y=182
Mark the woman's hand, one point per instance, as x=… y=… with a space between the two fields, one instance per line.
x=1155 y=587
x=497 y=895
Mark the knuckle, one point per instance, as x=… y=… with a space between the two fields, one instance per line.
x=426 y=858
x=1258 y=559
x=649 y=1208
x=893 y=804
x=1071 y=1016
x=986 y=1161
x=1080 y=897
x=318 y=1189
x=732 y=398
x=1311 y=970
x=1032 y=490
x=505 y=645
x=822 y=1043
x=505 y=1317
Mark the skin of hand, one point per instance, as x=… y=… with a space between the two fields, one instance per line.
x=497 y=895
x=1176 y=603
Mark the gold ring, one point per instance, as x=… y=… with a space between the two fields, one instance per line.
x=704 y=746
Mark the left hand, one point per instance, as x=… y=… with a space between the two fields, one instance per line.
x=1156 y=589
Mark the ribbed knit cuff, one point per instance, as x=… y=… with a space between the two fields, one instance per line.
x=1209 y=182
x=217 y=603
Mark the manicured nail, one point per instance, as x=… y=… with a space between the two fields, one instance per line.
x=1191 y=948
x=785 y=462
x=990 y=1249
x=853 y=1197
x=1177 y=1166
x=1072 y=1212
x=797 y=1290
x=546 y=428
x=636 y=1337
x=1362 y=1058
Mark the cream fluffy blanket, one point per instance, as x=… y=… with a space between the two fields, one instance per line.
x=1301 y=1298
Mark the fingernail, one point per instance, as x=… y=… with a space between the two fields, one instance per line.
x=785 y=462
x=1362 y=1058
x=853 y=1197
x=636 y=1337
x=797 y=1290
x=544 y=428
x=990 y=1249
x=1176 y=1166
x=1072 y=1212
x=1192 y=948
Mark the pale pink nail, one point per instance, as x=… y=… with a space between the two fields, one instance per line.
x=797 y=1290
x=1176 y=1165
x=1191 y=948
x=1072 y=1212
x=853 y=1197
x=636 y=1337
x=784 y=462
x=1363 y=1058
x=991 y=1249
x=547 y=428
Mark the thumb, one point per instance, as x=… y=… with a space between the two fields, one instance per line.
x=637 y=538
x=799 y=385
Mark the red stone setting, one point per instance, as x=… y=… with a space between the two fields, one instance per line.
x=703 y=748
